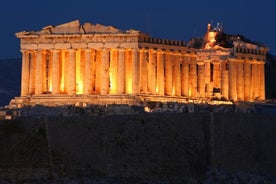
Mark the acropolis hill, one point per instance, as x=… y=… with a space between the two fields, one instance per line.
x=73 y=64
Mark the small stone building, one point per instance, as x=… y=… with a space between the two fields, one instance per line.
x=91 y=63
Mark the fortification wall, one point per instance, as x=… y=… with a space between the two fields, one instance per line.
x=167 y=145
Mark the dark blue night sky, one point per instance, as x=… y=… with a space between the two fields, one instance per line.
x=175 y=19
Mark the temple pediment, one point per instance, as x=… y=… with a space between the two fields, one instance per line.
x=70 y=27
x=74 y=27
x=98 y=28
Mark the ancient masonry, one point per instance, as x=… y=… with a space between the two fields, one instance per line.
x=73 y=64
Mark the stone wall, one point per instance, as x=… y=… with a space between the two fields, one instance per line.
x=163 y=146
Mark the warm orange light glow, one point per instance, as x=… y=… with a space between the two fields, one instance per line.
x=79 y=73
x=147 y=109
x=128 y=72
x=62 y=87
x=129 y=86
x=50 y=84
x=190 y=91
x=113 y=86
x=113 y=72
x=173 y=90
x=79 y=86
x=211 y=40
x=156 y=89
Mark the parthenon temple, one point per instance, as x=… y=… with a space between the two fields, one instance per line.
x=92 y=63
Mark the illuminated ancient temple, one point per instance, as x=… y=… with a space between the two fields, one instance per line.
x=73 y=63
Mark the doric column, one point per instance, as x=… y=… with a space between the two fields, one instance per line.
x=105 y=71
x=39 y=72
x=160 y=73
x=240 y=81
x=207 y=71
x=128 y=70
x=193 y=77
x=32 y=58
x=121 y=72
x=207 y=74
x=143 y=72
x=258 y=80
x=93 y=57
x=114 y=71
x=25 y=74
x=254 y=80
x=233 y=80
x=80 y=67
x=247 y=81
x=71 y=64
x=185 y=76
x=217 y=75
x=201 y=77
x=98 y=70
x=168 y=73
x=135 y=71
x=176 y=75
x=225 y=84
x=56 y=75
x=262 y=80
x=152 y=72
x=87 y=72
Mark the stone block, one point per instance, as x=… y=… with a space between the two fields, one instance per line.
x=45 y=46
x=112 y=45
x=31 y=46
x=95 y=45
x=79 y=45
x=129 y=45
x=62 y=45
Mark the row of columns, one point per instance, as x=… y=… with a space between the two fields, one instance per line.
x=246 y=80
x=134 y=71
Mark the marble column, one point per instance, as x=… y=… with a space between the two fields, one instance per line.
x=113 y=71
x=176 y=75
x=262 y=80
x=207 y=75
x=193 y=77
x=121 y=71
x=32 y=58
x=201 y=79
x=80 y=67
x=247 y=81
x=225 y=84
x=152 y=72
x=128 y=71
x=39 y=77
x=71 y=64
x=240 y=81
x=160 y=73
x=168 y=73
x=94 y=67
x=105 y=72
x=135 y=72
x=46 y=70
x=56 y=69
x=217 y=75
x=143 y=72
x=98 y=71
x=185 y=76
x=233 y=80
x=88 y=72
x=25 y=74
x=254 y=81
